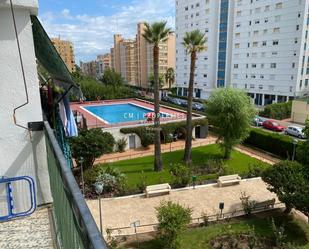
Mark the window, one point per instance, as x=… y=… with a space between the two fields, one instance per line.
x=265 y=31
x=256 y=32
x=276 y=30
x=264 y=43
x=275 y=42
x=296 y=40
x=186 y=8
x=274 y=53
x=279 y=5
x=260 y=87
x=197 y=5
x=261 y=76
x=263 y=54
x=273 y=65
x=197 y=14
x=235 y=76
x=271 y=87
x=257 y=10
x=255 y=44
x=262 y=65
x=306 y=82
x=237 y=45
x=252 y=86
x=237 y=35
x=293 y=65
x=238 y=25
x=253 y=65
x=235 y=65
x=267 y=8
x=238 y=13
x=266 y=20
x=277 y=18
x=257 y=21
x=297 y=27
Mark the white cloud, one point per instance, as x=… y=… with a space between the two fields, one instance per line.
x=93 y=35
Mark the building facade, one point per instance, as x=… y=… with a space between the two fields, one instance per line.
x=96 y=67
x=66 y=51
x=134 y=58
x=257 y=46
x=128 y=62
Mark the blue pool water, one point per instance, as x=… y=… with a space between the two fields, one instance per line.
x=120 y=113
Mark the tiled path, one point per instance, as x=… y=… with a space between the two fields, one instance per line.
x=32 y=232
x=121 y=212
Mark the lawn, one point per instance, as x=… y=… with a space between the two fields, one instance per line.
x=297 y=232
x=238 y=163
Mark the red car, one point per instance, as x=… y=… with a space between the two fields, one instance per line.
x=273 y=125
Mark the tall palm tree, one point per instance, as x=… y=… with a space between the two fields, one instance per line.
x=194 y=42
x=156 y=33
x=170 y=77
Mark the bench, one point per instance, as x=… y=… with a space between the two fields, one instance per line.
x=228 y=180
x=158 y=189
x=264 y=204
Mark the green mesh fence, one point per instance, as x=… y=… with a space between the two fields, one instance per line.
x=75 y=227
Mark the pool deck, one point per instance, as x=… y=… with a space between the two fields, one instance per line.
x=93 y=121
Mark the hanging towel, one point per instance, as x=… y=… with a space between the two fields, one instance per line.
x=70 y=127
x=62 y=114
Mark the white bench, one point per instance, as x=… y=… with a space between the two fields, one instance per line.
x=228 y=180
x=158 y=189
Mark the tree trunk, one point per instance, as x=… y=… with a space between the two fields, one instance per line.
x=188 y=148
x=157 y=138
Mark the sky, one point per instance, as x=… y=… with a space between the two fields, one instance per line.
x=91 y=24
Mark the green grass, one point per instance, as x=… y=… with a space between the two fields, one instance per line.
x=198 y=238
x=238 y=163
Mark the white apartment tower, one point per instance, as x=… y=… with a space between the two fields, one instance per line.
x=259 y=46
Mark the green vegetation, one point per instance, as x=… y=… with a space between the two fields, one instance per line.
x=231 y=112
x=276 y=144
x=91 y=144
x=170 y=77
x=194 y=42
x=173 y=221
x=96 y=90
x=290 y=183
x=302 y=154
x=296 y=233
x=277 y=111
x=139 y=171
x=146 y=135
x=152 y=80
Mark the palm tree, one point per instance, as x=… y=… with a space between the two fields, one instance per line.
x=170 y=77
x=156 y=33
x=194 y=42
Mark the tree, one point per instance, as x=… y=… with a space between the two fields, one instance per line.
x=194 y=42
x=173 y=220
x=170 y=77
x=306 y=129
x=91 y=144
x=112 y=78
x=286 y=179
x=152 y=81
x=156 y=33
x=231 y=112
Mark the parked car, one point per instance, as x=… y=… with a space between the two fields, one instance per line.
x=258 y=121
x=176 y=101
x=295 y=131
x=198 y=106
x=273 y=125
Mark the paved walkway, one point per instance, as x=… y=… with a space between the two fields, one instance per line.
x=121 y=212
x=27 y=233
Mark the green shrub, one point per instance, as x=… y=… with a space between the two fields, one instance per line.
x=277 y=144
x=277 y=111
x=173 y=220
x=255 y=170
x=121 y=144
x=181 y=173
x=186 y=98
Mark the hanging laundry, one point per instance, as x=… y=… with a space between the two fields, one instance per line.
x=67 y=118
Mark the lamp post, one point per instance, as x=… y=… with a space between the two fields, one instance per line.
x=171 y=136
x=221 y=207
x=295 y=142
x=194 y=181
x=99 y=189
x=81 y=160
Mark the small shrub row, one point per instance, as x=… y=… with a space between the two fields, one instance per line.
x=186 y=98
x=277 y=111
x=146 y=135
x=276 y=144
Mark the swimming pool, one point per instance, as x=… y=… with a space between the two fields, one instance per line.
x=120 y=113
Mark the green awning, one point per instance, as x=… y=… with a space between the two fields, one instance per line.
x=49 y=58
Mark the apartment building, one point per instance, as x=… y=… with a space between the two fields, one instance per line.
x=89 y=68
x=134 y=58
x=128 y=61
x=66 y=52
x=257 y=46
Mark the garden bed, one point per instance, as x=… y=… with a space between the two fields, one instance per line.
x=239 y=233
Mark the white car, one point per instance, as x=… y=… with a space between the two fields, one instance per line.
x=295 y=131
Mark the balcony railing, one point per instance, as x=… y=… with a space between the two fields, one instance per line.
x=74 y=224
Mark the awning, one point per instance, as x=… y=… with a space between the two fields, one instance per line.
x=49 y=58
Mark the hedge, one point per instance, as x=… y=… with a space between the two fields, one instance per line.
x=277 y=111
x=168 y=128
x=276 y=144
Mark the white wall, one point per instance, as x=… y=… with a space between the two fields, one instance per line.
x=118 y=135
x=19 y=154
